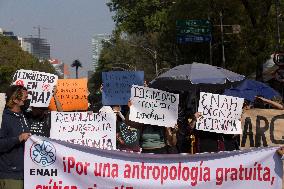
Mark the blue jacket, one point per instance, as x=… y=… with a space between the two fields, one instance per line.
x=11 y=150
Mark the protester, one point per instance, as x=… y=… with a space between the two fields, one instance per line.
x=155 y=139
x=183 y=133
x=187 y=135
x=171 y=139
x=127 y=137
x=39 y=118
x=14 y=132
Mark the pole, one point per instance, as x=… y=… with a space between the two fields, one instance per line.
x=222 y=38
x=210 y=47
x=210 y=53
x=277 y=5
x=156 y=63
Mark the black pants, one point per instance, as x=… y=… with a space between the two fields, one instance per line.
x=162 y=150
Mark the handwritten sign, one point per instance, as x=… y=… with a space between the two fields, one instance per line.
x=84 y=128
x=262 y=127
x=2 y=106
x=152 y=106
x=38 y=84
x=50 y=164
x=117 y=85
x=220 y=113
x=72 y=94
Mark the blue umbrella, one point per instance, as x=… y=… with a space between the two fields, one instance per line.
x=189 y=76
x=248 y=89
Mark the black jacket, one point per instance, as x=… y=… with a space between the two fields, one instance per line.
x=11 y=150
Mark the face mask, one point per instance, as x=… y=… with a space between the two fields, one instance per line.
x=26 y=105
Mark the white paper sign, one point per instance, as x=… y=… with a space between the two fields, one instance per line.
x=38 y=84
x=2 y=106
x=220 y=113
x=84 y=128
x=152 y=106
x=50 y=164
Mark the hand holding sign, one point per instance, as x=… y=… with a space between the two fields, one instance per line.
x=152 y=106
x=39 y=85
x=220 y=113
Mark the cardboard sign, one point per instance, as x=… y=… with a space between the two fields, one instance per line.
x=2 y=106
x=152 y=106
x=117 y=85
x=72 y=94
x=39 y=85
x=220 y=113
x=262 y=127
x=53 y=164
x=84 y=128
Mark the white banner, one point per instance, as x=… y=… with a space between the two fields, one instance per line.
x=2 y=105
x=38 y=84
x=85 y=128
x=50 y=164
x=220 y=113
x=152 y=106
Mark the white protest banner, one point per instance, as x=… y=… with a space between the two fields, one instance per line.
x=38 y=84
x=50 y=164
x=220 y=113
x=2 y=106
x=84 y=128
x=153 y=106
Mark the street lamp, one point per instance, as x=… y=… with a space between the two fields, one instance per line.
x=130 y=67
x=153 y=53
x=162 y=69
x=117 y=67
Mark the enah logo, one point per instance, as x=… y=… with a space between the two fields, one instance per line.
x=43 y=153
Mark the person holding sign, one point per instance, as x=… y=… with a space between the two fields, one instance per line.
x=39 y=118
x=13 y=133
x=155 y=139
x=127 y=136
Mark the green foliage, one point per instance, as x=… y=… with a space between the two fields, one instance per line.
x=152 y=24
x=13 y=58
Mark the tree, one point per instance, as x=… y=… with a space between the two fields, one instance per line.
x=245 y=52
x=13 y=58
x=76 y=64
x=260 y=28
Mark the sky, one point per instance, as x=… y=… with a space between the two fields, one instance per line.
x=68 y=25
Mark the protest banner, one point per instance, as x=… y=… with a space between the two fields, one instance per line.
x=84 y=128
x=262 y=127
x=72 y=94
x=39 y=85
x=220 y=113
x=50 y=164
x=153 y=106
x=117 y=85
x=2 y=106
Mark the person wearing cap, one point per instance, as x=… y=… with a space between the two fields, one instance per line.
x=14 y=132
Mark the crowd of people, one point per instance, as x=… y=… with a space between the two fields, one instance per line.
x=18 y=125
